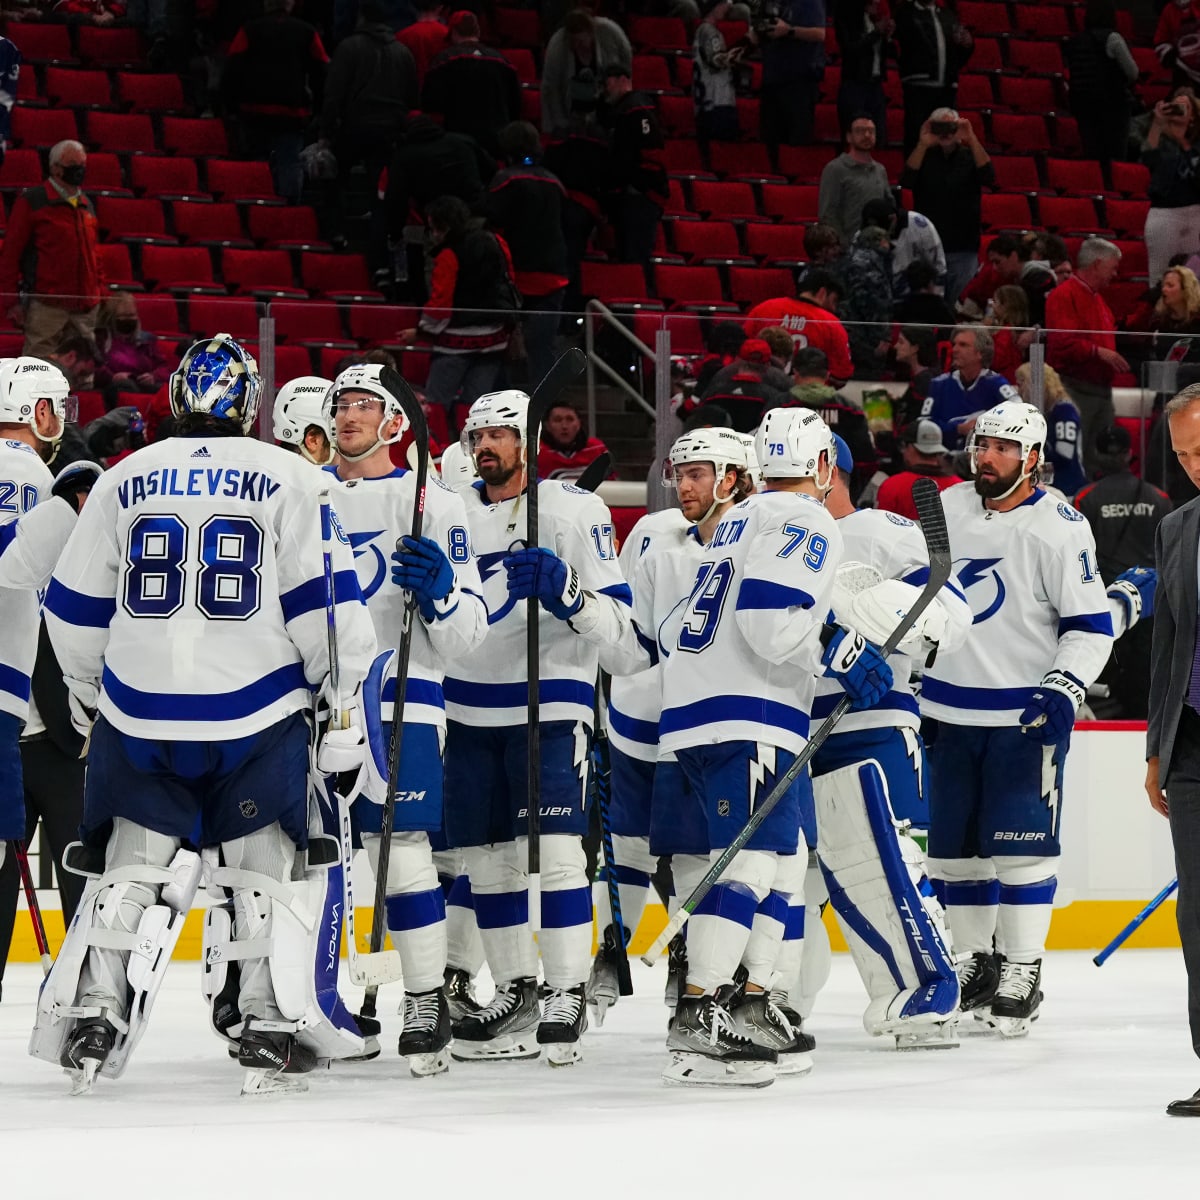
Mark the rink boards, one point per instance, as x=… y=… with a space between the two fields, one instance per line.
x=1116 y=856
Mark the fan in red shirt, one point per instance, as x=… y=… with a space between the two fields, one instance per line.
x=810 y=320
x=924 y=458
x=426 y=37
x=566 y=450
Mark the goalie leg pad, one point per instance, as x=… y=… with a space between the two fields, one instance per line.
x=816 y=959
x=893 y=928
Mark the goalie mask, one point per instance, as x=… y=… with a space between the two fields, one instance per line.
x=791 y=443
x=220 y=378
x=299 y=405
x=1012 y=421
x=380 y=384
x=23 y=382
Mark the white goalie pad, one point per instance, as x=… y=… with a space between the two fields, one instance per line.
x=148 y=948
x=876 y=879
x=851 y=579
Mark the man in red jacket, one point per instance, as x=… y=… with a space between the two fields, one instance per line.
x=51 y=250
x=1081 y=343
x=566 y=450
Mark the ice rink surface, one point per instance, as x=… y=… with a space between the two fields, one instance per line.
x=1076 y=1109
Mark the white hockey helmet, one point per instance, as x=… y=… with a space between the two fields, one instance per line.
x=789 y=445
x=753 y=468
x=26 y=380
x=300 y=404
x=219 y=377
x=378 y=381
x=1013 y=421
x=508 y=409
x=717 y=445
x=457 y=468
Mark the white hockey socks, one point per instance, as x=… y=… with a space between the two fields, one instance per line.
x=500 y=889
x=720 y=928
x=1027 y=887
x=970 y=892
x=565 y=937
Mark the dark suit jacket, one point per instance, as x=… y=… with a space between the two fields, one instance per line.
x=1175 y=609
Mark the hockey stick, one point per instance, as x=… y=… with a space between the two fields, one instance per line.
x=564 y=372
x=1133 y=925
x=595 y=473
x=420 y=435
x=35 y=909
x=601 y=792
x=366 y=970
x=937 y=541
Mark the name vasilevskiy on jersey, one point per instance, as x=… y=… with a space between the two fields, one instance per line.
x=231 y=482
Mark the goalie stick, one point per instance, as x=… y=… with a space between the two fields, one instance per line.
x=35 y=909
x=928 y=501
x=560 y=376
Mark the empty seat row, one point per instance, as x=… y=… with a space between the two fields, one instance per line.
x=121 y=133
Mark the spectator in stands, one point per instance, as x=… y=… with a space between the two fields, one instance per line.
x=1039 y=252
x=1011 y=335
x=473 y=88
x=525 y=206
x=748 y=387
x=913 y=239
x=782 y=346
x=130 y=359
x=75 y=357
x=811 y=319
x=863 y=29
x=1101 y=72
x=768 y=370
x=638 y=175
x=1064 y=446
x=426 y=37
x=50 y=250
x=472 y=308
x=924 y=457
x=921 y=303
x=823 y=246
x=969 y=388
x=115 y=435
x=274 y=73
x=934 y=47
x=811 y=389
x=947 y=171
x=712 y=77
x=1172 y=153
x=566 y=451
x=916 y=358
x=852 y=179
x=722 y=341
x=576 y=58
x=10 y=71
x=1081 y=339
x=372 y=85
x=1177 y=40
x=1177 y=310
x=1003 y=266
x=867 y=306
x=581 y=161
x=793 y=58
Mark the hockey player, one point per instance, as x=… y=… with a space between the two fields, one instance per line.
x=376 y=508
x=573 y=573
x=188 y=613
x=707 y=469
x=298 y=420
x=869 y=780
x=1005 y=702
x=737 y=691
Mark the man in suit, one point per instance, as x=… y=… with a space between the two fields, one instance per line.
x=1173 y=729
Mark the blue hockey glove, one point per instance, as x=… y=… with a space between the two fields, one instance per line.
x=423 y=568
x=1050 y=713
x=1135 y=589
x=861 y=670
x=75 y=480
x=541 y=573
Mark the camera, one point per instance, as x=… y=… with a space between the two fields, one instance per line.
x=765 y=16
x=943 y=128
x=1174 y=109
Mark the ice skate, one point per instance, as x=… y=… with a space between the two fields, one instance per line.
x=603 y=991
x=564 y=1020
x=923 y=1018
x=978 y=979
x=272 y=1060
x=707 y=1051
x=460 y=996
x=782 y=1001
x=425 y=1039
x=756 y=1016
x=370 y=1030
x=1018 y=998
x=89 y=1045
x=677 y=967
x=505 y=1028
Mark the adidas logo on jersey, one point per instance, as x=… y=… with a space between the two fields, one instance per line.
x=201 y=453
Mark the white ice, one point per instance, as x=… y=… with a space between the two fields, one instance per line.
x=1076 y=1109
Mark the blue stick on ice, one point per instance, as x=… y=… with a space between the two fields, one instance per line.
x=1125 y=933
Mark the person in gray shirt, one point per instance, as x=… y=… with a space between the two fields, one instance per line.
x=851 y=179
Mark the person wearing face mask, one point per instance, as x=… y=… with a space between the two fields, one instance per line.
x=130 y=359
x=50 y=257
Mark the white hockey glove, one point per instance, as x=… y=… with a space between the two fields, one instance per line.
x=878 y=610
x=83 y=698
x=852 y=578
x=342 y=746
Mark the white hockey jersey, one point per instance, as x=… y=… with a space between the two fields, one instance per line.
x=893 y=545
x=489 y=685
x=748 y=645
x=192 y=591
x=635 y=701
x=374 y=514
x=1038 y=604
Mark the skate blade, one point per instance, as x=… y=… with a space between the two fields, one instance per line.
x=564 y=1054
x=499 y=1049
x=600 y=1004
x=83 y=1078
x=370 y=1050
x=422 y=1066
x=259 y=1082
x=698 y=1070
x=936 y=1038
x=1010 y=1027
x=799 y=1063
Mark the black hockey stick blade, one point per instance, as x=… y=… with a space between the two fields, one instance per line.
x=929 y=502
x=566 y=370
x=595 y=473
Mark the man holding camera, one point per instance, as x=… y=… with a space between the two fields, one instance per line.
x=947 y=172
x=792 y=36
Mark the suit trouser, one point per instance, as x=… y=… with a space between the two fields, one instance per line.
x=1183 y=798
x=53 y=793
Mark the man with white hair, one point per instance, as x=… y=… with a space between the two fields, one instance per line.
x=969 y=388
x=1081 y=342
x=51 y=251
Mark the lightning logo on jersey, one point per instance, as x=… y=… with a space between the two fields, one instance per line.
x=361 y=543
x=762 y=765
x=981 y=574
